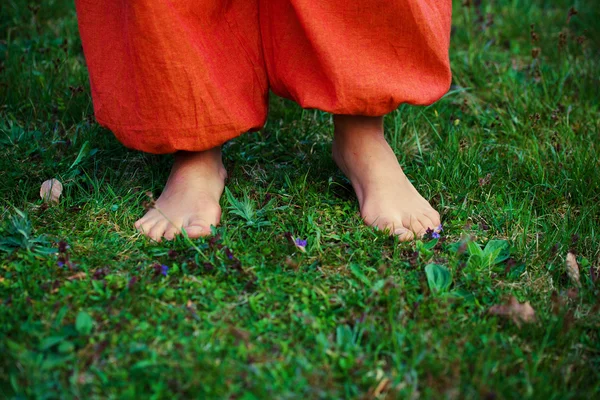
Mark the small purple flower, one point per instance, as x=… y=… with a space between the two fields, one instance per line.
x=433 y=234
x=164 y=270
x=61 y=264
x=440 y=228
x=300 y=243
x=62 y=246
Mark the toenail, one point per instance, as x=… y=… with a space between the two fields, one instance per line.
x=400 y=231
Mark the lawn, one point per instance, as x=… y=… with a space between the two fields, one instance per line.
x=510 y=157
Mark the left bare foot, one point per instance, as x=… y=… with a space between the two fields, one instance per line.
x=387 y=198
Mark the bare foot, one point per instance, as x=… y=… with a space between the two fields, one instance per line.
x=190 y=199
x=387 y=198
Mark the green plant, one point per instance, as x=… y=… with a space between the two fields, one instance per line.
x=439 y=278
x=494 y=252
x=246 y=209
x=18 y=235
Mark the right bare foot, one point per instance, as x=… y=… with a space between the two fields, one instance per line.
x=190 y=199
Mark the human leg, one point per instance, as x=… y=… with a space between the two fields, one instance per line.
x=359 y=61
x=177 y=77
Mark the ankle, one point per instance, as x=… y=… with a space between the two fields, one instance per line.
x=211 y=155
x=348 y=125
x=208 y=160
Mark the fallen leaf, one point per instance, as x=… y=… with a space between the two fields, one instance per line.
x=514 y=310
x=383 y=384
x=77 y=276
x=51 y=191
x=573 y=269
x=290 y=262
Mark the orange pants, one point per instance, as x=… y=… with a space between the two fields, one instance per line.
x=170 y=75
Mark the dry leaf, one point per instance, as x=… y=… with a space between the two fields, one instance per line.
x=290 y=262
x=572 y=293
x=383 y=384
x=51 y=190
x=573 y=269
x=77 y=276
x=514 y=310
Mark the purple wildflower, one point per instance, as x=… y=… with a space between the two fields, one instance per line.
x=61 y=264
x=164 y=270
x=62 y=246
x=435 y=235
x=440 y=228
x=300 y=243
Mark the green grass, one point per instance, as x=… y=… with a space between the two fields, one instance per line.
x=510 y=153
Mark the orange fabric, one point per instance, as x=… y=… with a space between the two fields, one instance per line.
x=191 y=74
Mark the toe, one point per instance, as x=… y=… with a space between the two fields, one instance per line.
x=197 y=227
x=140 y=222
x=146 y=222
x=434 y=216
x=427 y=223
x=146 y=226
x=171 y=232
x=390 y=227
x=196 y=231
x=412 y=223
x=158 y=230
x=149 y=216
x=404 y=234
